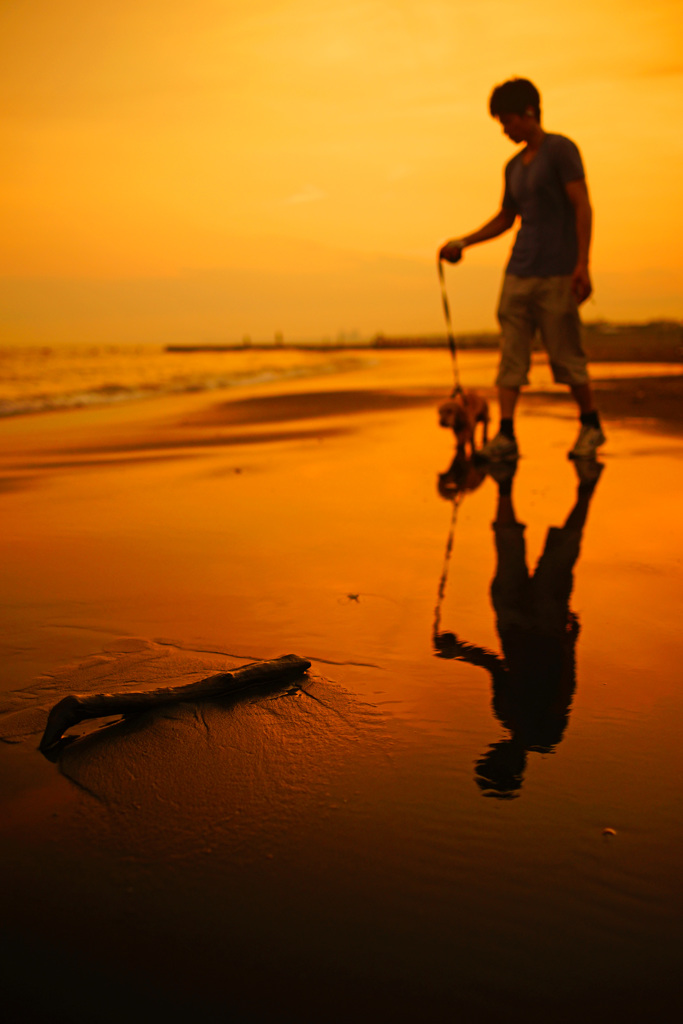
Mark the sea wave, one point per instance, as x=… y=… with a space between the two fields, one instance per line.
x=78 y=377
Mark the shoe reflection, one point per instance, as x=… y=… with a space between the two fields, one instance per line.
x=534 y=679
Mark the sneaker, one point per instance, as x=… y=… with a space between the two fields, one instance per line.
x=587 y=443
x=499 y=449
x=588 y=471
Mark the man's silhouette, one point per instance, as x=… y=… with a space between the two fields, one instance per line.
x=547 y=276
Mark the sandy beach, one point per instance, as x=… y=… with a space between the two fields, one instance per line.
x=346 y=847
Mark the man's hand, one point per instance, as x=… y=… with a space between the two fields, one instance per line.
x=581 y=283
x=451 y=251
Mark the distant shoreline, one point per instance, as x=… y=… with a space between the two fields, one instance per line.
x=660 y=341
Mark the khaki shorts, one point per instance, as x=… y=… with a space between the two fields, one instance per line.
x=546 y=304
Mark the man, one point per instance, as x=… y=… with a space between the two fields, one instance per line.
x=547 y=276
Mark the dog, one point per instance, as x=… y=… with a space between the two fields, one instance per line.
x=462 y=414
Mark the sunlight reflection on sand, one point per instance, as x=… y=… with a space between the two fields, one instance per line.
x=166 y=540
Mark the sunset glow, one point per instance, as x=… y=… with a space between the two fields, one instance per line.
x=206 y=171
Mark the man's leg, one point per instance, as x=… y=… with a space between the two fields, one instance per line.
x=583 y=396
x=561 y=334
x=518 y=328
x=507 y=400
x=510 y=590
x=553 y=579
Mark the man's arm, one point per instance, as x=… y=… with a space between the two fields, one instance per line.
x=502 y=222
x=577 y=191
x=448 y=645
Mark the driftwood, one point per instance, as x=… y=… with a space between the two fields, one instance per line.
x=78 y=707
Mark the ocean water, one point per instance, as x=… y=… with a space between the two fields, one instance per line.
x=40 y=379
x=36 y=379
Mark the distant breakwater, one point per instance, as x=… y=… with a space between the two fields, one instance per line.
x=660 y=341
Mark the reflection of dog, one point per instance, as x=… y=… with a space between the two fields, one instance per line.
x=461 y=477
x=462 y=413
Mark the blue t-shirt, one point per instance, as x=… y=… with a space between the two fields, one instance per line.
x=546 y=243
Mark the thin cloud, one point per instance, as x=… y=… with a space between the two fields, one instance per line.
x=308 y=194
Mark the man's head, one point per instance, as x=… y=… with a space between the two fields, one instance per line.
x=517 y=105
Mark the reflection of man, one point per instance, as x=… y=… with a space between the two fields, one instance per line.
x=547 y=277
x=534 y=681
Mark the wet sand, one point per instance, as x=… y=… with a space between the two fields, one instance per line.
x=335 y=850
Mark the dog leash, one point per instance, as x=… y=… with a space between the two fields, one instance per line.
x=446 y=563
x=457 y=389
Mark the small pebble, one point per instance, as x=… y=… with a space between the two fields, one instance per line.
x=609 y=831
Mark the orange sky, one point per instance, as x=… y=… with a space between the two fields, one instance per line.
x=203 y=170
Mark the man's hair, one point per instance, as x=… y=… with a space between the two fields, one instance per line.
x=515 y=96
